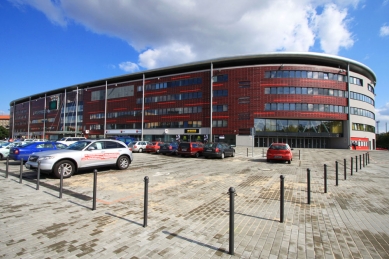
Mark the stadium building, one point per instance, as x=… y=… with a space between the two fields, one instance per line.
x=309 y=100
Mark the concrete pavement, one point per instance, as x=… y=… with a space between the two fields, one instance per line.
x=188 y=212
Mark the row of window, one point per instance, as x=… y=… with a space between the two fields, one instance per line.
x=184 y=110
x=183 y=82
x=306 y=90
x=293 y=126
x=112 y=93
x=171 y=97
x=220 y=78
x=370 y=88
x=311 y=74
x=173 y=124
x=362 y=112
x=305 y=107
x=220 y=93
x=220 y=108
x=361 y=97
x=363 y=127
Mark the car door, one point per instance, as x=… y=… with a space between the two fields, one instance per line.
x=112 y=151
x=93 y=155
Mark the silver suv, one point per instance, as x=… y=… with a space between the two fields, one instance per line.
x=82 y=154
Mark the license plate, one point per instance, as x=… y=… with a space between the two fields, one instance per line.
x=277 y=156
x=209 y=149
x=184 y=149
x=28 y=166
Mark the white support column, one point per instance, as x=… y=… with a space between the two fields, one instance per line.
x=143 y=104
x=211 y=106
x=76 y=122
x=105 y=108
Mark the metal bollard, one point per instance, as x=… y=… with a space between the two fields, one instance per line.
x=325 y=178
x=363 y=163
x=309 y=185
x=21 y=171
x=356 y=164
x=247 y=152
x=38 y=176
x=299 y=154
x=336 y=174
x=368 y=157
x=94 y=189
x=231 y=191
x=61 y=183
x=360 y=162
x=352 y=162
x=345 y=168
x=282 y=198
x=146 y=202
x=6 y=168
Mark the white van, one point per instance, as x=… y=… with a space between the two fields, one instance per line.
x=70 y=140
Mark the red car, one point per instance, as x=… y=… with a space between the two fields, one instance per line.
x=279 y=151
x=195 y=149
x=153 y=147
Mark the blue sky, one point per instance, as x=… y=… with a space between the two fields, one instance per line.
x=49 y=44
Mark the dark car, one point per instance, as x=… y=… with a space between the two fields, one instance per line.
x=190 y=149
x=279 y=151
x=218 y=149
x=24 y=151
x=169 y=148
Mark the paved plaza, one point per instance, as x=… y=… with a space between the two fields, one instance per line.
x=189 y=209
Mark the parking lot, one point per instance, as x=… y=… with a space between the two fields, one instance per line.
x=188 y=209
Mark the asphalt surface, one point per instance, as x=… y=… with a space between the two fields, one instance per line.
x=189 y=209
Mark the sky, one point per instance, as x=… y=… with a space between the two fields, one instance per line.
x=50 y=44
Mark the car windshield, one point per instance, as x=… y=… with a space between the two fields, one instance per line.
x=279 y=147
x=79 y=145
x=62 y=139
x=208 y=145
x=132 y=144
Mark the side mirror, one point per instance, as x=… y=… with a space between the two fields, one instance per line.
x=91 y=148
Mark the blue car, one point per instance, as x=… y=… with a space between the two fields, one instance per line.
x=24 y=151
x=169 y=148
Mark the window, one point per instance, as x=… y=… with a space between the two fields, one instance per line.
x=243 y=100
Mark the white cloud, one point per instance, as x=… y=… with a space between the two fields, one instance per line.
x=382 y=115
x=51 y=9
x=332 y=29
x=129 y=67
x=384 y=31
x=169 y=32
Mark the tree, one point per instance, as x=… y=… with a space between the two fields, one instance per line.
x=4 y=133
x=382 y=140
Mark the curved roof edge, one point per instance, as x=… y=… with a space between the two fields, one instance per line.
x=309 y=58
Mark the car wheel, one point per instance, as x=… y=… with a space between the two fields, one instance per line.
x=222 y=156
x=123 y=162
x=68 y=169
x=205 y=157
x=268 y=160
x=140 y=150
x=197 y=154
x=1 y=157
x=289 y=161
x=233 y=154
x=163 y=153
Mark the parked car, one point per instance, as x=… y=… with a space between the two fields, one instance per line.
x=4 y=151
x=70 y=140
x=24 y=151
x=218 y=149
x=153 y=147
x=138 y=146
x=279 y=151
x=82 y=154
x=190 y=149
x=124 y=139
x=169 y=148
